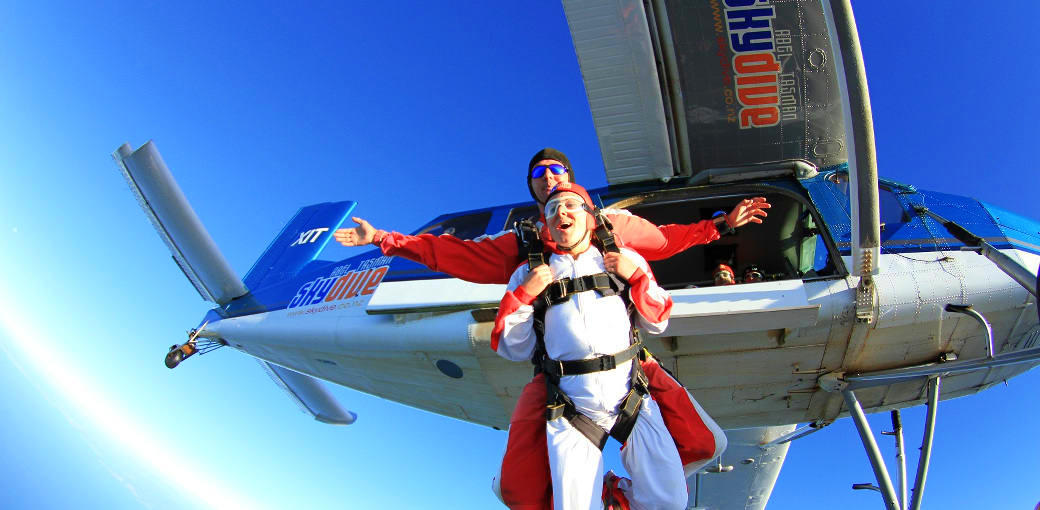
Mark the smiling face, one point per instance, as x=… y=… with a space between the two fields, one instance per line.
x=568 y=222
x=544 y=184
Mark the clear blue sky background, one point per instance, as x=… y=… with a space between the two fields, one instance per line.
x=413 y=109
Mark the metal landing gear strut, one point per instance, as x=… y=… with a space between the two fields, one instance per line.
x=847 y=384
x=888 y=493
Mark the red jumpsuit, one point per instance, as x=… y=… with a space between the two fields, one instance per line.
x=524 y=481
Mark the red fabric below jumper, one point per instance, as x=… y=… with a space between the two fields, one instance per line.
x=526 y=483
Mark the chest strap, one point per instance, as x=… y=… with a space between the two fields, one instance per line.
x=559 y=291
x=557 y=368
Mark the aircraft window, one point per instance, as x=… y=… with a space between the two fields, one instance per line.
x=840 y=180
x=788 y=245
x=891 y=209
x=462 y=227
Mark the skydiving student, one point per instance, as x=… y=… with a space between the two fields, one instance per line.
x=524 y=482
x=579 y=333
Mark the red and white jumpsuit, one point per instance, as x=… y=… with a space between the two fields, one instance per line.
x=586 y=326
x=524 y=482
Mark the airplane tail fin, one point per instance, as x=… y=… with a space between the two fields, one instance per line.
x=177 y=224
x=299 y=243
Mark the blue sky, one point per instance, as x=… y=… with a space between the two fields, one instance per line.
x=412 y=109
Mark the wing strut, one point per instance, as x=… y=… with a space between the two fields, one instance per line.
x=1008 y=265
x=859 y=135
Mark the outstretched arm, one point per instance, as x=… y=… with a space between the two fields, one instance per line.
x=486 y=259
x=658 y=243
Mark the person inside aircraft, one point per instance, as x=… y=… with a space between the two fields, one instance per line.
x=569 y=331
x=524 y=479
x=723 y=275
x=752 y=274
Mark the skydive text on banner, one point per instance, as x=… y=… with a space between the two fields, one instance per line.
x=333 y=288
x=749 y=24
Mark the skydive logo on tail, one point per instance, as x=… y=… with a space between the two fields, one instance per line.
x=749 y=24
x=335 y=288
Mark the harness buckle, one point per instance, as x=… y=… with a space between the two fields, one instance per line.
x=553 y=412
x=556 y=292
x=607 y=363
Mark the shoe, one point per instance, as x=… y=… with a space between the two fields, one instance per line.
x=613 y=497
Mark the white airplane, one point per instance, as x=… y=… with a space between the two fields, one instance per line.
x=874 y=295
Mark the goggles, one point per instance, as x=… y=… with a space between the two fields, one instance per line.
x=538 y=171
x=752 y=274
x=569 y=204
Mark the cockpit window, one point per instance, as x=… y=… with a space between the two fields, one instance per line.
x=462 y=227
x=891 y=209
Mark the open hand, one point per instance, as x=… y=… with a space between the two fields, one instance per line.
x=360 y=235
x=749 y=210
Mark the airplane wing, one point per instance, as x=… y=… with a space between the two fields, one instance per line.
x=676 y=88
x=746 y=473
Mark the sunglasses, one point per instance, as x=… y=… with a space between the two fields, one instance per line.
x=538 y=171
x=568 y=204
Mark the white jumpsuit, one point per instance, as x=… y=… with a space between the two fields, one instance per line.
x=584 y=327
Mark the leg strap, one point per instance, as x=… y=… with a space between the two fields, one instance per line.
x=559 y=405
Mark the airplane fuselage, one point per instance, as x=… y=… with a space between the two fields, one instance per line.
x=752 y=353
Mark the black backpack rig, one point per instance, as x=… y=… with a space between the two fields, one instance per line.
x=559 y=291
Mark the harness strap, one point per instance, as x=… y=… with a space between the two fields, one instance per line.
x=559 y=291
x=529 y=243
x=605 y=232
x=557 y=368
x=588 y=428
x=559 y=405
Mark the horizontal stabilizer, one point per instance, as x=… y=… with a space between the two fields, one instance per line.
x=310 y=394
x=177 y=224
x=299 y=243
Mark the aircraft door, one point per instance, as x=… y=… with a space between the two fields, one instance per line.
x=768 y=263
